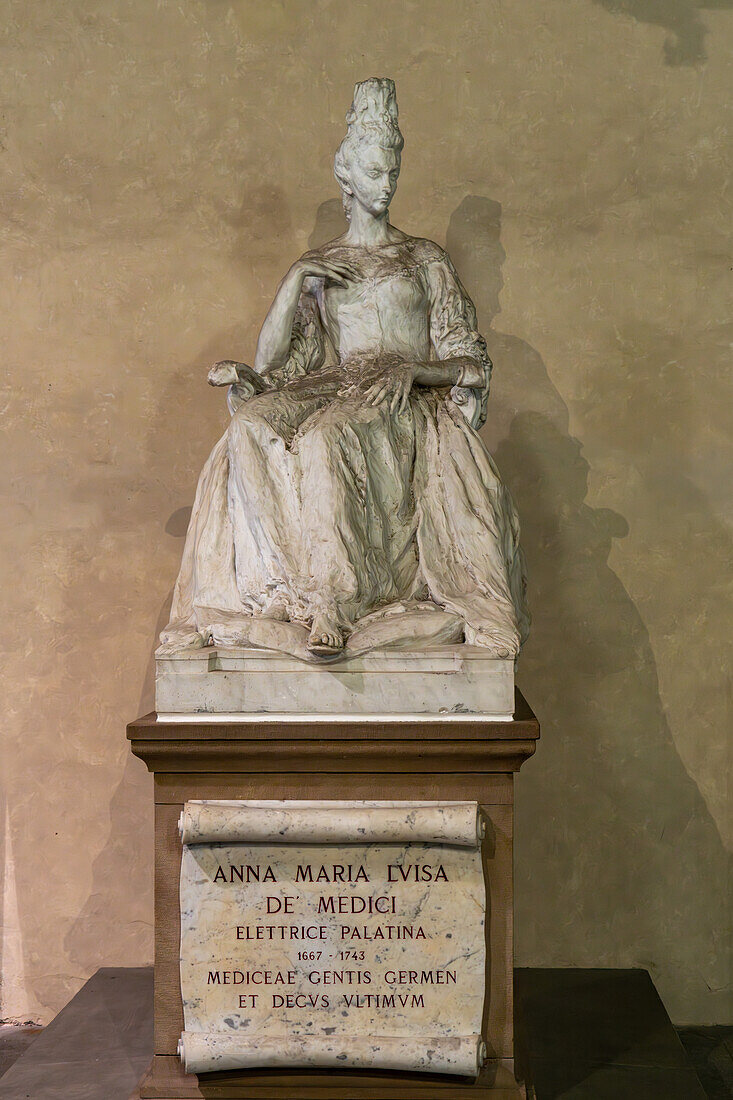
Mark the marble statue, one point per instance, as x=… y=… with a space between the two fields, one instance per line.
x=351 y=492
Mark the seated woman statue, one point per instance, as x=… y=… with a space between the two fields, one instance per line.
x=351 y=482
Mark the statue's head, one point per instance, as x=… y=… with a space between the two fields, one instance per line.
x=367 y=163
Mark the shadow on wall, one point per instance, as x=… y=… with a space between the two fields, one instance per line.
x=686 y=42
x=330 y=223
x=618 y=858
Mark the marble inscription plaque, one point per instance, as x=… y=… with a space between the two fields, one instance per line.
x=339 y=934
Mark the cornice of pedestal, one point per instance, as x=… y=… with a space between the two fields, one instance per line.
x=298 y=743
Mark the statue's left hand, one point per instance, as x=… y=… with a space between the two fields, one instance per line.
x=394 y=386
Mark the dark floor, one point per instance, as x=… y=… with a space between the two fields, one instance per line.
x=710 y=1049
x=602 y=1035
x=586 y=1035
x=97 y=1048
x=14 y=1041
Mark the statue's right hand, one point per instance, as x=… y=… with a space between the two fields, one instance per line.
x=223 y=373
x=314 y=264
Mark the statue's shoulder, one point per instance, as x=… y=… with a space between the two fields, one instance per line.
x=426 y=251
x=338 y=244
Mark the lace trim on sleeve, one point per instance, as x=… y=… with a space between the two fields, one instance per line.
x=453 y=330
x=307 y=345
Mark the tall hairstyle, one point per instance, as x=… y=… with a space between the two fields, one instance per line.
x=371 y=120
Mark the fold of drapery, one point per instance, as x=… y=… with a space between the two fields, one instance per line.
x=461 y=541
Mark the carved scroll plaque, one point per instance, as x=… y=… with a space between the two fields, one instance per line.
x=332 y=934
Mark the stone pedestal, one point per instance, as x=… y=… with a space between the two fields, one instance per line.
x=448 y=757
x=457 y=679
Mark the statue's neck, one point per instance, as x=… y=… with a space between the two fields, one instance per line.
x=366 y=231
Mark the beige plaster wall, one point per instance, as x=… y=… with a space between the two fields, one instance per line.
x=162 y=165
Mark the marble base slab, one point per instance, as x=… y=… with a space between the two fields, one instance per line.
x=445 y=680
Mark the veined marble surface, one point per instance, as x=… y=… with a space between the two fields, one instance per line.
x=280 y=821
x=201 y=1053
x=352 y=954
x=458 y=679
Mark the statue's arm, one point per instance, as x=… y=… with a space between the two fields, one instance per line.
x=458 y=345
x=460 y=359
x=291 y=342
x=273 y=343
x=276 y=334
x=458 y=370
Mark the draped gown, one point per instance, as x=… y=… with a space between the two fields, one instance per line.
x=315 y=502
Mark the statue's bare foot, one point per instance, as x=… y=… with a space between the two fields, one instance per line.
x=277 y=609
x=325 y=639
x=176 y=641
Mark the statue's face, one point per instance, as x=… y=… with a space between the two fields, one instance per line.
x=373 y=177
